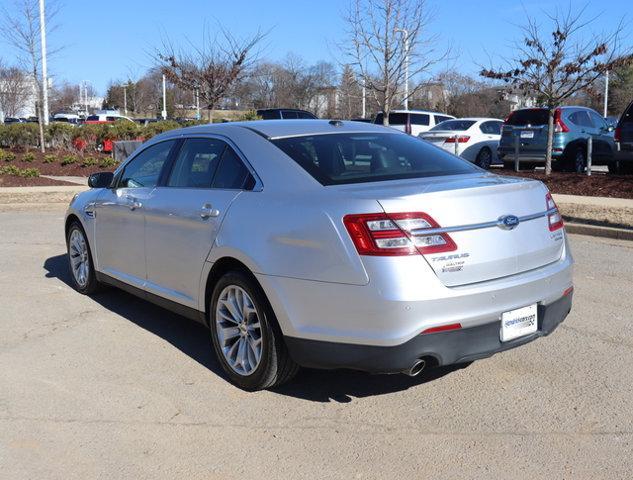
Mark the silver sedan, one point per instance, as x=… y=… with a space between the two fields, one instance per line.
x=325 y=244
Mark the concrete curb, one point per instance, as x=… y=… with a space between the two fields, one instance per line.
x=599 y=231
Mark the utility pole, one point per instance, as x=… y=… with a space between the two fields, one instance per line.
x=164 y=112
x=45 y=113
x=197 y=104
x=125 y=99
x=405 y=34
x=606 y=93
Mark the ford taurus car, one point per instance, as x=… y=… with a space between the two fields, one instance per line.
x=325 y=244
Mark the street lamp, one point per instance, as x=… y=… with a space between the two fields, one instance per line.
x=405 y=34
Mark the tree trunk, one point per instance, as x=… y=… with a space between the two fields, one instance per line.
x=550 y=140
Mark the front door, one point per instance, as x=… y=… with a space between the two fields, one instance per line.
x=120 y=218
x=183 y=216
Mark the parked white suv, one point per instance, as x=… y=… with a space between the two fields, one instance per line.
x=413 y=122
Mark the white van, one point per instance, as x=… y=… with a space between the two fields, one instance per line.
x=413 y=122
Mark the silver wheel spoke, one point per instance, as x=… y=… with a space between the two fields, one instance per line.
x=238 y=330
x=79 y=258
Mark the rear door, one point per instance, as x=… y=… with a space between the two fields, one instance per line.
x=184 y=215
x=603 y=143
x=625 y=130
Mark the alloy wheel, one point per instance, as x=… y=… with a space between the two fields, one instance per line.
x=238 y=330
x=79 y=258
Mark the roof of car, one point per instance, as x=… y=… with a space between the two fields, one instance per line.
x=478 y=119
x=285 y=128
x=420 y=111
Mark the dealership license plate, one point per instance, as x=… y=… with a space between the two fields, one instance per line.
x=527 y=134
x=518 y=323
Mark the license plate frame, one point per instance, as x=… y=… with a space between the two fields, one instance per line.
x=519 y=323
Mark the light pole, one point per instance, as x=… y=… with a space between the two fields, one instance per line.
x=606 y=92
x=125 y=99
x=405 y=34
x=44 y=64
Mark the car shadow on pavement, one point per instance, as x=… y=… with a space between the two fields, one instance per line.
x=192 y=339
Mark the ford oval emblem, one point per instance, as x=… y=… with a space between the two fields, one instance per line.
x=508 y=222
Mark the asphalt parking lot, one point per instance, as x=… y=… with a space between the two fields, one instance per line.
x=113 y=387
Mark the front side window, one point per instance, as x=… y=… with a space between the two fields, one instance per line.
x=289 y=114
x=196 y=164
x=598 y=121
x=144 y=169
x=344 y=158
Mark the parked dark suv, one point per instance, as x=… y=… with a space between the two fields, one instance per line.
x=623 y=159
x=284 y=114
x=572 y=127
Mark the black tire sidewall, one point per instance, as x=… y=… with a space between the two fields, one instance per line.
x=267 y=366
x=478 y=161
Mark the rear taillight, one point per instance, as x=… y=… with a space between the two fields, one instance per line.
x=617 y=134
x=559 y=125
x=396 y=234
x=460 y=139
x=554 y=218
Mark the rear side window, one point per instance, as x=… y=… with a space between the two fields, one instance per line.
x=269 y=115
x=420 y=119
x=491 y=128
x=144 y=169
x=344 y=158
x=305 y=115
x=289 y=114
x=232 y=174
x=454 y=125
x=581 y=119
x=533 y=116
x=196 y=164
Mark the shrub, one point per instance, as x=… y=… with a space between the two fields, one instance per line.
x=90 y=135
x=107 y=162
x=60 y=135
x=28 y=157
x=123 y=130
x=18 y=172
x=249 y=115
x=69 y=160
x=19 y=135
x=7 y=156
x=50 y=159
x=89 y=162
x=155 y=128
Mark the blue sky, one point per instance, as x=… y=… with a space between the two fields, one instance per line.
x=113 y=39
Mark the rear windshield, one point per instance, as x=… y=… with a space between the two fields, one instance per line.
x=336 y=159
x=454 y=125
x=533 y=116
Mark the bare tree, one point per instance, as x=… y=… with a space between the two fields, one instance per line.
x=14 y=90
x=375 y=48
x=20 y=27
x=212 y=68
x=555 y=66
x=349 y=105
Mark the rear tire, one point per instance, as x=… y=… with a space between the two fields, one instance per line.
x=580 y=160
x=245 y=334
x=484 y=158
x=80 y=264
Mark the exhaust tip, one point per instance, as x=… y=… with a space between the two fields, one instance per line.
x=416 y=368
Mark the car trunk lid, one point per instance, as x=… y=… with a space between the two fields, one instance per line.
x=471 y=208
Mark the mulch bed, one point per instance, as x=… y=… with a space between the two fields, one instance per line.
x=597 y=185
x=14 y=181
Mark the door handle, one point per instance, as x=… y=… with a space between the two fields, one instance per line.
x=133 y=203
x=208 y=211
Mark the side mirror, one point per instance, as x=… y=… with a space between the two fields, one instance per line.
x=100 y=180
x=610 y=128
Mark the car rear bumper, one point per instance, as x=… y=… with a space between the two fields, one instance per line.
x=441 y=348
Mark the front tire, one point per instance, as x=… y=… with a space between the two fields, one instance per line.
x=82 y=272
x=245 y=335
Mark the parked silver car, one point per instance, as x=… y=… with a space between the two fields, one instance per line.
x=325 y=244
